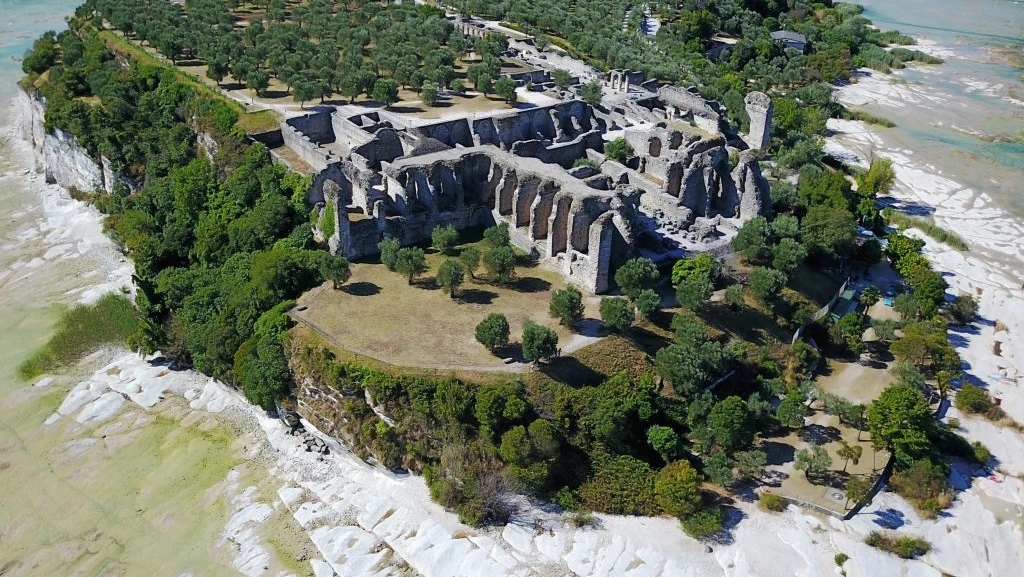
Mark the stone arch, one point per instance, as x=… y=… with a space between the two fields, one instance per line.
x=579 y=233
x=541 y=217
x=559 y=228
x=525 y=196
x=506 y=192
x=654 y=147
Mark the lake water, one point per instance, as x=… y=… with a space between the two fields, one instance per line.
x=973 y=130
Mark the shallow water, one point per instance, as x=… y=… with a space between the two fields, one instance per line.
x=141 y=493
x=972 y=126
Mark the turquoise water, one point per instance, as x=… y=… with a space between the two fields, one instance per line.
x=21 y=22
x=976 y=136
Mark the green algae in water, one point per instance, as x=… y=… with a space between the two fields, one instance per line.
x=133 y=497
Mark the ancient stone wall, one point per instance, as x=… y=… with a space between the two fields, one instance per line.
x=317 y=126
x=305 y=148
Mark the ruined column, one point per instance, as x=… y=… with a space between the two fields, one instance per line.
x=759 y=109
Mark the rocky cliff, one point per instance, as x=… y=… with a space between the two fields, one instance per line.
x=65 y=161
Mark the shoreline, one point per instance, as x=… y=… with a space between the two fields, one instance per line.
x=361 y=517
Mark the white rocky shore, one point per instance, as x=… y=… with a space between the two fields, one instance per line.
x=367 y=521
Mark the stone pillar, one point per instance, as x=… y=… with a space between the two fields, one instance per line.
x=759 y=109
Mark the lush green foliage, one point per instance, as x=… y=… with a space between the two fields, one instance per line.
x=635 y=275
x=444 y=239
x=410 y=262
x=771 y=502
x=450 y=276
x=616 y=313
x=618 y=150
x=336 y=270
x=311 y=48
x=217 y=245
x=470 y=258
x=677 y=489
x=814 y=462
x=389 y=252
x=539 y=342
x=500 y=264
x=900 y=421
x=567 y=306
x=493 y=331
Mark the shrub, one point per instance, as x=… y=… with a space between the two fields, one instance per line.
x=582 y=519
x=925 y=484
x=470 y=257
x=841 y=558
x=450 y=275
x=677 y=489
x=903 y=547
x=973 y=399
x=327 y=224
x=705 y=522
x=389 y=252
x=539 y=342
x=567 y=306
x=618 y=150
x=647 y=303
x=616 y=313
x=771 y=502
x=963 y=309
x=501 y=264
x=444 y=239
x=621 y=485
x=635 y=275
x=981 y=453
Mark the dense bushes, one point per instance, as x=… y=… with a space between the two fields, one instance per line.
x=903 y=547
x=216 y=244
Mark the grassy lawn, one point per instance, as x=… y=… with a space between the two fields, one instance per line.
x=594 y=364
x=378 y=314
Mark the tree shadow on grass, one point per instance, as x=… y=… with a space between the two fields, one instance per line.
x=820 y=434
x=427 y=284
x=645 y=340
x=571 y=371
x=476 y=296
x=361 y=289
x=512 y=351
x=406 y=109
x=529 y=284
x=589 y=327
x=778 y=453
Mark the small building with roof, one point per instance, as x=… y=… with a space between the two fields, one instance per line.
x=790 y=40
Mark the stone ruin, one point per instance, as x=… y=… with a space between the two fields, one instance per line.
x=384 y=174
x=759 y=109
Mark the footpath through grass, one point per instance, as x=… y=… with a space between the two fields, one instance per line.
x=81 y=330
